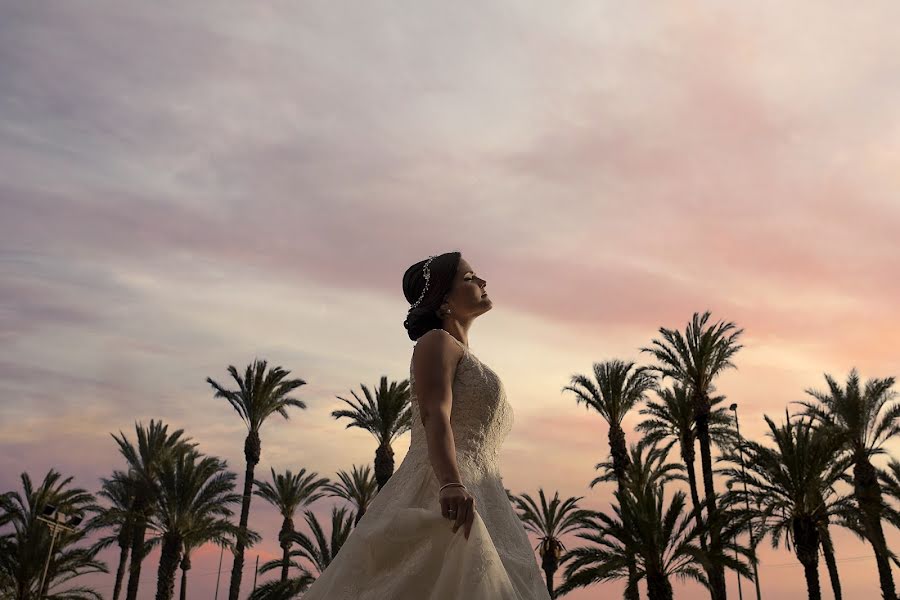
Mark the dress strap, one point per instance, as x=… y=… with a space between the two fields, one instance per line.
x=464 y=347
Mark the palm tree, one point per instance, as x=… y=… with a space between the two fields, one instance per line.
x=24 y=549
x=154 y=445
x=694 y=360
x=287 y=493
x=283 y=590
x=617 y=390
x=549 y=522
x=863 y=420
x=318 y=550
x=386 y=416
x=790 y=488
x=358 y=488
x=119 y=491
x=671 y=421
x=259 y=395
x=890 y=486
x=662 y=539
x=192 y=488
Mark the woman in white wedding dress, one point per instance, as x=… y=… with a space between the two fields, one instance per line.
x=442 y=528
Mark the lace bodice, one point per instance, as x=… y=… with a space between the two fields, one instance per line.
x=480 y=416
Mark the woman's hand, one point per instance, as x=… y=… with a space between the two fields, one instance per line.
x=458 y=505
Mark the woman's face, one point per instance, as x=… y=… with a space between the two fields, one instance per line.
x=468 y=297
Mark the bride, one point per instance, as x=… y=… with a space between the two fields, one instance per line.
x=442 y=527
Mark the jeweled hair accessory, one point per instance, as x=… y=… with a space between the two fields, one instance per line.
x=427 y=271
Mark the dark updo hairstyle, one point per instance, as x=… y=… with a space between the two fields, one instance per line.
x=423 y=318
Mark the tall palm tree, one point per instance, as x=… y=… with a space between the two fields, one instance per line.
x=192 y=488
x=864 y=420
x=119 y=492
x=24 y=549
x=357 y=487
x=616 y=391
x=259 y=395
x=154 y=445
x=287 y=493
x=319 y=550
x=671 y=421
x=790 y=488
x=387 y=416
x=210 y=529
x=549 y=521
x=694 y=360
x=662 y=539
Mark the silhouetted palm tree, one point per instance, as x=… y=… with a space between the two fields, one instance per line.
x=119 y=491
x=662 y=539
x=283 y=590
x=549 y=522
x=671 y=421
x=387 y=416
x=890 y=487
x=154 y=445
x=358 y=487
x=863 y=420
x=319 y=550
x=24 y=549
x=192 y=489
x=790 y=488
x=617 y=390
x=259 y=395
x=694 y=360
x=287 y=493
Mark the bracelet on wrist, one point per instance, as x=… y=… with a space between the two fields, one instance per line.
x=453 y=484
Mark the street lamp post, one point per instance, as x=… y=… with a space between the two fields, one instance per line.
x=738 y=573
x=737 y=426
x=55 y=527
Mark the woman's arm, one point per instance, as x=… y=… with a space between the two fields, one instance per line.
x=434 y=366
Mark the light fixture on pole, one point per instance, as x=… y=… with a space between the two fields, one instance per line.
x=737 y=426
x=50 y=516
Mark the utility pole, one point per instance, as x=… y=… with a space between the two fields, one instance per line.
x=219 y=574
x=737 y=426
x=55 y=527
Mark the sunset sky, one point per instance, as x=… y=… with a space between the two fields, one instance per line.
x=187 y=186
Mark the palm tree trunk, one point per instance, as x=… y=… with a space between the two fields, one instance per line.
x=384 y=464
x=811 y=571
x=185 y=567
x=806 y=545
x=252 y=451
x=183 y=593
x=831 y=563
x=120 y=571
x=168 y=566
x=688 y=456
x=717 y=574
x=658 y=587
x=619 y=452
x=285 y=562
x=868 y=495
x=549 y=564
x=137 y=548
x=548 y=575
x=284 y=539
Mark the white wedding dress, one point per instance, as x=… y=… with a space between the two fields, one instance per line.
x=403 y=549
